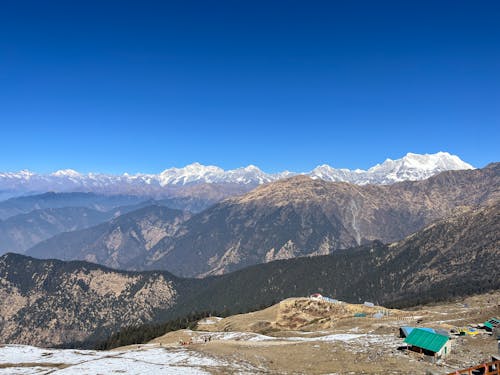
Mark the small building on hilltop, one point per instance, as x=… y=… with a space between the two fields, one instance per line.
x=428 y=343
x=490 y=324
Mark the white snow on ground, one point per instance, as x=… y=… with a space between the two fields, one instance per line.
x=24 y=354
x=211 y=320
x=354 y=339
x=172 y=357
x=127 y=366
x=240 y=336
x=308 y=333
x=342 y=337
x=151 y=358
x=147 y=359
x=329 y=338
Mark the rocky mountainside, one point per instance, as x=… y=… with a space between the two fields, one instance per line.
x=171 y=181
x=47 y=302
x=50 y=214
x=23 y=231
x=300 y=216
x=52 y=302
x=198 y=197
x=459 y=252
x=452 y=257
x=120 y=243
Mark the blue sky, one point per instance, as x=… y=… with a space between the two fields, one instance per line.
x=115 y=86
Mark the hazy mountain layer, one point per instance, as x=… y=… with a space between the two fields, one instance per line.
x=99 y=202
x=122 y=242
x=23 y=231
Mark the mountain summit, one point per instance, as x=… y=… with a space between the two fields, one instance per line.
x=411 y=167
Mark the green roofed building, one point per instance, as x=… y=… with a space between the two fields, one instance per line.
x=492 y=323
x=429 y=343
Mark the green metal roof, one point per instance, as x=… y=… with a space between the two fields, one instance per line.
x=493 y=321
x=426 y=340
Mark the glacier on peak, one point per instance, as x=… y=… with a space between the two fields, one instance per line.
x=66 y=173
x=410 y=167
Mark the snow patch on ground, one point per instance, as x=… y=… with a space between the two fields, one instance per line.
x=343 y=337
x=150 y=358
x=211 y=320
x=147 y=359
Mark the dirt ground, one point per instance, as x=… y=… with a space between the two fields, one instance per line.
x=304 y=336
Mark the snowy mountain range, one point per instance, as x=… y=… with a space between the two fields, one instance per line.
x=410 y=167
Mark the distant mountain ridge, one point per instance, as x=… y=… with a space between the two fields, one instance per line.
x=28 y=220
x=410 y=167
x=23 y=231
x=120 y=243
x=25 y=204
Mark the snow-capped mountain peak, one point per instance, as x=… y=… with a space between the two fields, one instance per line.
x=191 y=173
x=252 y=168
x=66 y=173
x=416 y=167
x=410 y=167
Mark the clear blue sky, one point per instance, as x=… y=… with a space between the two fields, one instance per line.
x=115 y=86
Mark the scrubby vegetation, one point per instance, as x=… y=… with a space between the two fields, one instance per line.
x=144 y=333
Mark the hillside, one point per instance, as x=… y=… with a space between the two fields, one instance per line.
x=119 y=243
x=25 y=204
x=20 y=232
x=71 y=301
x=294 y=314
x=454 y=256
x=330 y=340
x=316 y=336
x=301 y=217
x=51 y=302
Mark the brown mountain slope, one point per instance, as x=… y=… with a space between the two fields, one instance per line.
x=20 y=232
x=49 y=302
x=455 y=256
x=300 y=216
x=465 y=246
x=117 y=243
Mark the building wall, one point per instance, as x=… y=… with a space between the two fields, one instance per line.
x=443 y=352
